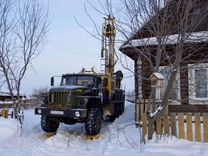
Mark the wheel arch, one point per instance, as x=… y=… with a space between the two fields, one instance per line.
x=94 y=103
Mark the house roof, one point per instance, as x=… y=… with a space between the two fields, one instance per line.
x=144 y=32
x=145 y=36
x=195 y=37
x=157 y=76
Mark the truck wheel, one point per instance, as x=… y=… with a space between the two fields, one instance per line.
x=121 y=108
x=116 y=113
x=49 y=125
x=112 y=118
x=94 y=121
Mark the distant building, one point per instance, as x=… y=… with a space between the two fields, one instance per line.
x=6 y=100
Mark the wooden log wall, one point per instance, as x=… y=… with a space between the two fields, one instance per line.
x=184 y=84
x=146 y=84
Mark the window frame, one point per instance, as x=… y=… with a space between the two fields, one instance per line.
x=192 y=81
x=197 y=94
x=178 y=98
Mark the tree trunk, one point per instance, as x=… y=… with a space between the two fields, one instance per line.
x=159 y=112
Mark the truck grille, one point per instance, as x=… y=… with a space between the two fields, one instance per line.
x=60 y=97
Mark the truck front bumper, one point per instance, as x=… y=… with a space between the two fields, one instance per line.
x=68 y=113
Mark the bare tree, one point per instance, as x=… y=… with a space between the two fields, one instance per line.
x=159 y=18
x=39 y=96
x=23 y=28
x=161 y=33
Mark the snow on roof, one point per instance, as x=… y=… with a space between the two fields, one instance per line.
x=195 y=37
x=157 y=75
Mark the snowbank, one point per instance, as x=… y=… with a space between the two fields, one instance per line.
x=119 y=138
x=8 y=128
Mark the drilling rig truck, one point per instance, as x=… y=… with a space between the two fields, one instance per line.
x=86 y=97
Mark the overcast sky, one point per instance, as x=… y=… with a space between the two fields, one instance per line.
x=68 y=47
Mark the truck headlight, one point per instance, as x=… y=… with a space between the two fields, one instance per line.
x=77 y=113
x=39 y=111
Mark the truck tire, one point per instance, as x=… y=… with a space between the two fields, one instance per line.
x=112 y=118
x=121 y=108
x=94 y=121
x=116 y=113
x=49 y=125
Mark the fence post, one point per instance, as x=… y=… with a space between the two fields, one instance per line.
x=144 y=126
x=173 y=124
x=166 y=124
x=198 y=127
x=205 y=122
x=159 y=126
x=4 y=113
x=189 y=127
x=181 y=126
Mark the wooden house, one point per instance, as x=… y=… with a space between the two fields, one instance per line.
x=192 y=92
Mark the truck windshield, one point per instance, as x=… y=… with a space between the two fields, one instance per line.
x=82 y=80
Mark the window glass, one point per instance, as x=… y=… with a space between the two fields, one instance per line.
x=166 y=71
x=81 y=80
x=201 y=83
x=85 y=80
x=99 y=83
x=69 y=80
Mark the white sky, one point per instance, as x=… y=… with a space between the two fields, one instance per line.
x=68 y=47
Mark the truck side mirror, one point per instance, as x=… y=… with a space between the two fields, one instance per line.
x=52 y=81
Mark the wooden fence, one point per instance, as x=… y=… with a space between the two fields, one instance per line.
x=141 y=108
x=5 y=113
x=26 y=104
x=190 y=126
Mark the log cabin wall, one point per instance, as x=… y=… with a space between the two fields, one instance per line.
x=146 y=83
x=138 y=89
x=184 y=84
x=136 y=79
x=137 y=110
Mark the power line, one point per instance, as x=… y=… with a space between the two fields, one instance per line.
x=66 y=46
x=74 y=52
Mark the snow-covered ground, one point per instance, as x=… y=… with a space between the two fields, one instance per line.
x=118 y=138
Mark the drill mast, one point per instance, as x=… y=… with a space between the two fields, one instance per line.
x=108 y=49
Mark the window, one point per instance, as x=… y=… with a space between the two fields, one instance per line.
x=201 y=83
x=175 y=93
x=68 y=80
x=83 y=80
x=198 y=83
x=99 y=85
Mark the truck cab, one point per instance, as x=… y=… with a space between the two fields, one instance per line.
x=80 y=98
x=87 y=96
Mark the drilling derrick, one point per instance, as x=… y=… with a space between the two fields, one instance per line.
x=108 y=50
